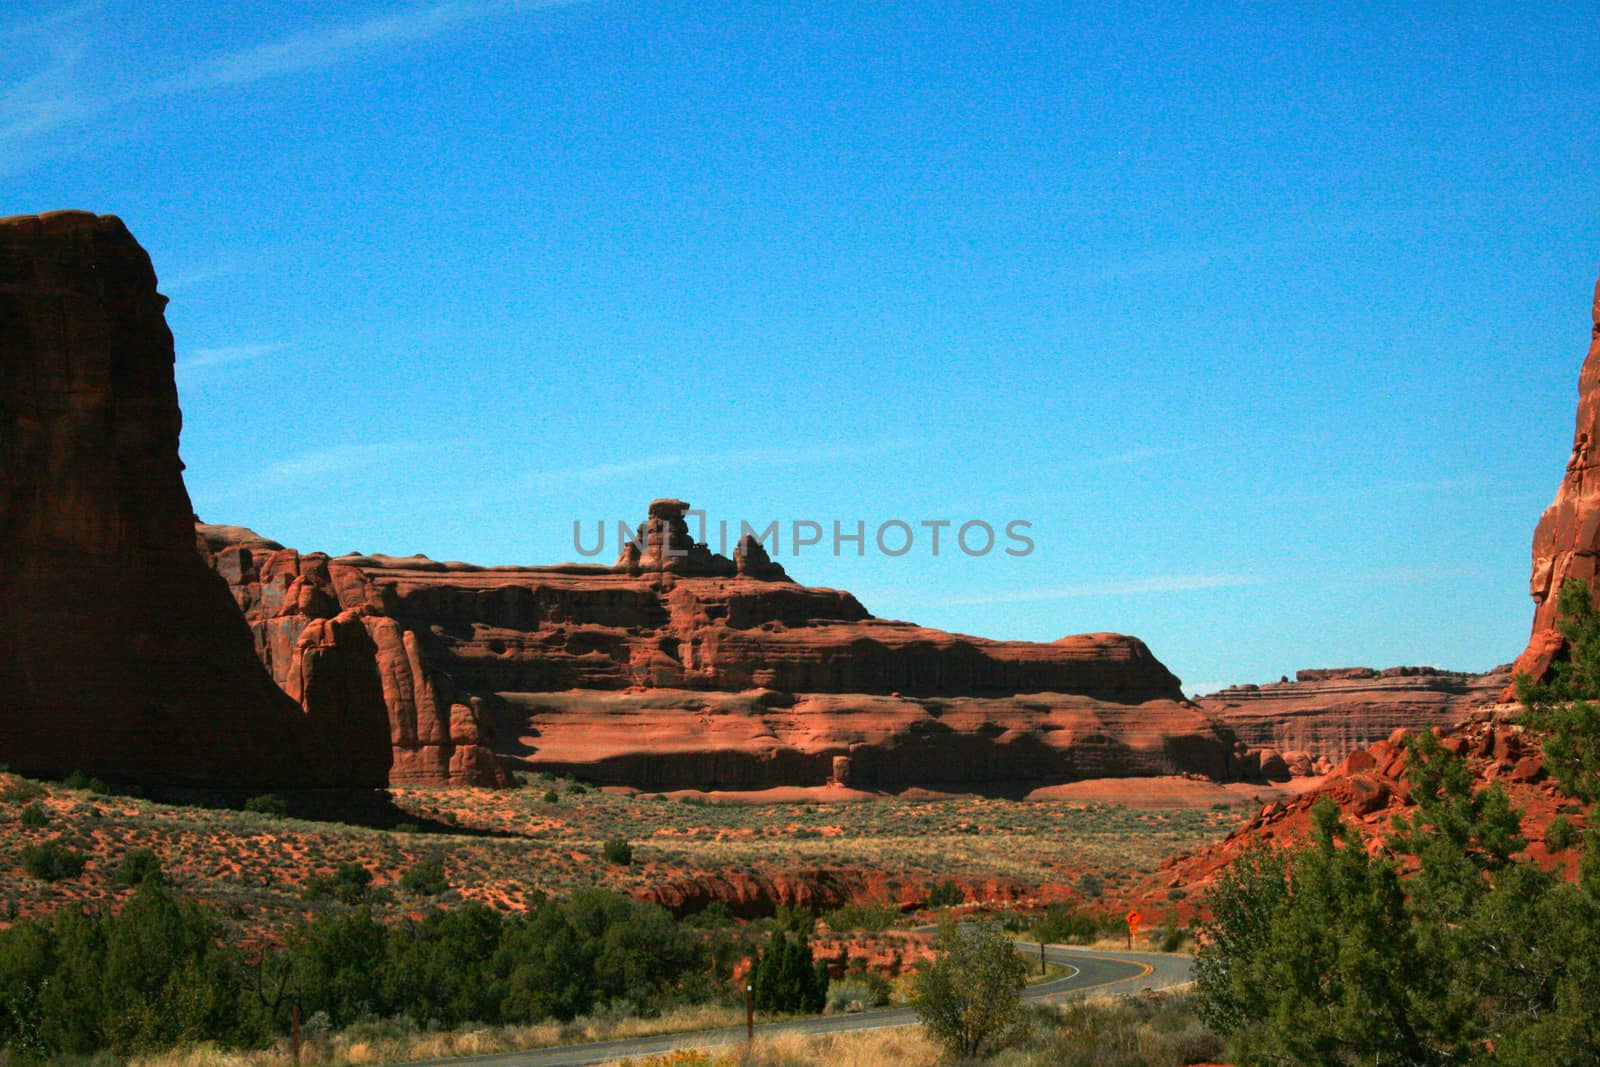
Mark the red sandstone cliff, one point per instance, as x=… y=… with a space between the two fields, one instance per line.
x=685 y=669
x=1566 y=542
x=324 y=630
x=1307 y=726
x=120 y=654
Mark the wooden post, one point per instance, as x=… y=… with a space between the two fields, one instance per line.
x=749 y=1013
x=1042 y=968
x=294 y=1023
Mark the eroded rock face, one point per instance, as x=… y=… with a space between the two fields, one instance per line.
x=686 y=669
x=1306 y=726
x=120 y=653
x=1566 y=542
x=323 y=630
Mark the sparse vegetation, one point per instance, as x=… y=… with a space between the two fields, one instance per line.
x=33 y=816
x=617 y=850
x=138 y=867
x=426 y=877
x=1064 y=925
x=871 y=918
x=350 y=883
x=52 y=861
x=946 y=894
x=267 y=804
x=1560 y=835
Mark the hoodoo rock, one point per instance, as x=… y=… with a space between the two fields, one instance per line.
x=1322 y=716
x=1566 y=543
x=681 y=668
x=120 y=653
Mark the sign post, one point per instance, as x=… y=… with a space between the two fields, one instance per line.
x=1133 y=927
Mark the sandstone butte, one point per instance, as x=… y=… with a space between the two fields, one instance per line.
x=1566 y=543
x=681 y=668
x=120 y=652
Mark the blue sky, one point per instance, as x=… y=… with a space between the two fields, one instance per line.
x=1267 y=317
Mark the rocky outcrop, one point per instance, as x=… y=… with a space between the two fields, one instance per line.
x=681 y=668
x=120 y=653
x=1566 y=543
x=1372 y=787
x=323 y=630
x=1306 y=726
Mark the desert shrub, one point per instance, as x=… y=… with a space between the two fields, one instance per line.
x=872 y=918
x=714 y=916
x=1065 y=925
x=551 y=797
x=52 y=861
x=1091 y=885
x=33 y=816
x=857 y=992
x=76 y=780
x=970 y=997
x=350 y=883
x=267 y=804
x=22 y=791
x=618 y=851
x=425 y=877
x=1560 y=834
x=946 y=895
x=137 y=867
x=1125 y=1032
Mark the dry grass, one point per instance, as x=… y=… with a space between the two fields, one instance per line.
x=251 y=867
x=393 y=1041
x=904 y=1046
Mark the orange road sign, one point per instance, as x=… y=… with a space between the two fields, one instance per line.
x=1133 y=918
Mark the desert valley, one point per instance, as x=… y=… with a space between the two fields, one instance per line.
x=1235 y=323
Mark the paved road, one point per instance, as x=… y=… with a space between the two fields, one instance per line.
x=1113 y=973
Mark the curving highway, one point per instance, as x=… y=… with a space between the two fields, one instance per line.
x=1109 y=973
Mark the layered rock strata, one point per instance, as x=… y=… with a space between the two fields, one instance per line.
x=1306 y=726
x=681 y=668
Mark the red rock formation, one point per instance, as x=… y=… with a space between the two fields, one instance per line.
x=1566 y=543
x=1370 y=788
x=120 y=654
x=321 y=629
x=1313 y=722
x=680 y=668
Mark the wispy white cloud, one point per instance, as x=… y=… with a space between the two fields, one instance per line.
x=54 y=96
x=46 y=100
x=50 y=21
x=201 y=358
x=338 y=461
x=693 y=462
x=1162 y=583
